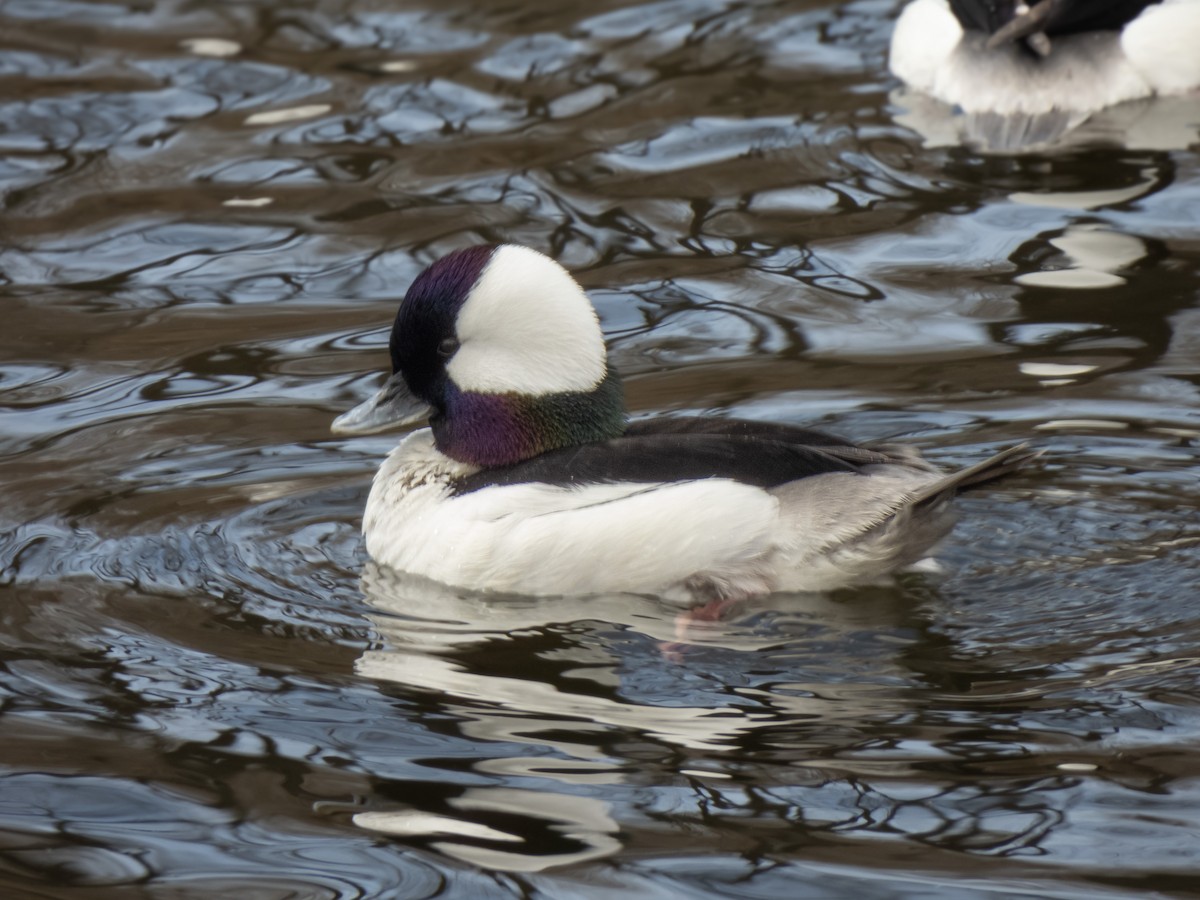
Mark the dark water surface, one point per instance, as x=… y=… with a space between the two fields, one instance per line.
x=206 y=692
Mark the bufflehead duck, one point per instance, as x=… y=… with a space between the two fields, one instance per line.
x=530 y=480
x=1026 y=74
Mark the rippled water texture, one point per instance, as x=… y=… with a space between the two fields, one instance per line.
x=210 y=211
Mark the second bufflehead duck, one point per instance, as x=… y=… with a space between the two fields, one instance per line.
x=1028 y=73
x=529 y=479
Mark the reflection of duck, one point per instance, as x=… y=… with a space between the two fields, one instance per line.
x=579 y=684
x=1099 y=293
x=530 y=481
x=571 y=719
x=1020 y=75
x=569 y=828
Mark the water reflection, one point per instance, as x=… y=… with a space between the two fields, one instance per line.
x=573 y=829
x=593 y=684
x=1154 y=123
x=209 y=213
x=1091 y=255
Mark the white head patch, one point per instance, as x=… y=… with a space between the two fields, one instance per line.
x=527 y=327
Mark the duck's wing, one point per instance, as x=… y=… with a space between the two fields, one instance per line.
x=792 y=435
x=759 y=458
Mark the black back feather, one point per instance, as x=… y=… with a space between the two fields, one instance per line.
x=762 y=454
x=1068 y=17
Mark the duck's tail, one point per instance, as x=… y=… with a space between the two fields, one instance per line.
x=994 y=467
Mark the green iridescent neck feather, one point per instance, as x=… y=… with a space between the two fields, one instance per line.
x=490 y=430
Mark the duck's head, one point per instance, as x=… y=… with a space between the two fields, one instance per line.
x=501 y=350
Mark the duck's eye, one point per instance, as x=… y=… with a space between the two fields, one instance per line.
x=447 y=348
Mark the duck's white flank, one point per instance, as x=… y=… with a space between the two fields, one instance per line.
x=925 y=36
x=521 y=297
x=718 y=535
x=1163 y=44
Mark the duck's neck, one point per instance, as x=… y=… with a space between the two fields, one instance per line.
x=490 y=430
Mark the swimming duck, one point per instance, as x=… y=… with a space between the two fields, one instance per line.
x=529 y=479
x=1027 y=74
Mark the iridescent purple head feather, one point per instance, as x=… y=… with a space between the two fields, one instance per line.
x=427 y=314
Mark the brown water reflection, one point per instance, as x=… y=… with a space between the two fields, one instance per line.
x=210 y=211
